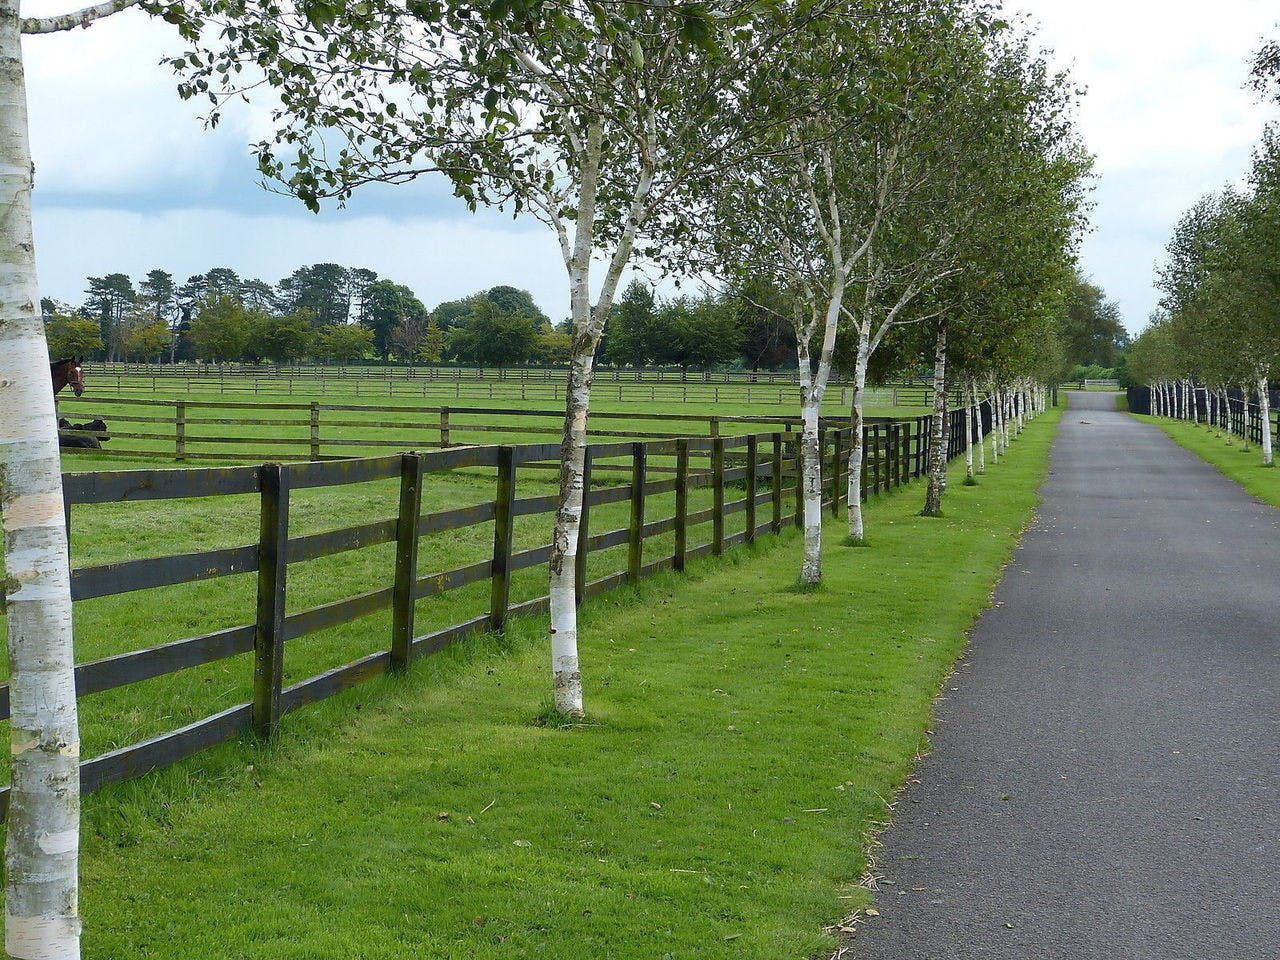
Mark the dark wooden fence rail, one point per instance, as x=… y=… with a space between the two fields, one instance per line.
x=212 y=429
x=895 y=452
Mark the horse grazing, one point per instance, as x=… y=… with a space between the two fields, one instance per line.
x=68 y=371
x=77 y=440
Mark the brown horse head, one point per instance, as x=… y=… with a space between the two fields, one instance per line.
x=68 y=371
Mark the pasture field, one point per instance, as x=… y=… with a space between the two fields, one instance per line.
x=214 y=436
x=743 y=741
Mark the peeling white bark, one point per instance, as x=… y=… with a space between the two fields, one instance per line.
x=856 y=529
x=970 y=410
x=1245 y=417
x=42 y=920
x=1264 y=414
x=937 y=431
x=977 y=408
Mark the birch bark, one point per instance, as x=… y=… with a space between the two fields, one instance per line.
x=1245 y=416
x=857 y=531
x=1264 y=414
x=937 y=433
x=42 y=919
x=977 y=407
x=969 y=411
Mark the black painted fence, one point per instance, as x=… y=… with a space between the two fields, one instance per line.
x=1240 y=417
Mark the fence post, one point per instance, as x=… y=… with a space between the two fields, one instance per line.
x=776 y=482
x=503 y=536
x=402 y=592
x=751 y=488
x=273 y=567
x=835 y=474
x=180 y=430
x=315 y=430
x=584 y=531
x=898 y=448
x=635 y=532
x=444 y=426
x=717 y=496
x=682 y=505
x=798 y=519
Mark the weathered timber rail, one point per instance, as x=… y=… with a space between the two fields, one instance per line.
x=258 y=430
x=765 y=465
x=476 y=384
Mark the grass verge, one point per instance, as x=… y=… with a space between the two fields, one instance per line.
x=1232 y=460
x=742 y=740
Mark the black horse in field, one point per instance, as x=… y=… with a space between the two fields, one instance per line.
x=69 y=370
x=89 y=436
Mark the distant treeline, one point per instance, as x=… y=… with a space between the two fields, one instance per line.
x=330 y=313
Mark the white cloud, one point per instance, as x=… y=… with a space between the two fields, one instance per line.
x=1166 y=113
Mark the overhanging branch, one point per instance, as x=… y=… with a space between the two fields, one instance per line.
x=81 y=18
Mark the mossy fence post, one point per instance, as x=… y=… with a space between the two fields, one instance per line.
x=406 y=576
x=273 y=565
x=635 y=529
x=504 y=513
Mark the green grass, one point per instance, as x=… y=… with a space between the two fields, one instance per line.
x=1232 y=460
x=742 y=742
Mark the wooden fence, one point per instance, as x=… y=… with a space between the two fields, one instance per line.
x=764 y=465
x=240 y=430
x=472 y=384
x=1240 y=417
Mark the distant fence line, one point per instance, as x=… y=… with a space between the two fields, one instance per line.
x=1241 y=418
x=509 y=383
x=244 y=430
x=766 y=465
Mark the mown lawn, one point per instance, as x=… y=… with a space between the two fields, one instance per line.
x=1227 y=453
x=743 y=739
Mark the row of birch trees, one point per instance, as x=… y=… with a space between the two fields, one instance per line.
x=904 y=174
x=1218 y=326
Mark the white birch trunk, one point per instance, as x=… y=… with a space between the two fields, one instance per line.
x=813 y=387
x=977 y=408
x=1244 y=416
x=566 y=672
x=969 y=410
x=937 y=433
x=42 y=920
x=993 y=398
x=857 y=531
x=1264 y=414
x=1005 y=408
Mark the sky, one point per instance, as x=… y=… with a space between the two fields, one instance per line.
x=129 y=179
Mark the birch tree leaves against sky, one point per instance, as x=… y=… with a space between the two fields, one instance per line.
x=864 y=204
x=1219 y=325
